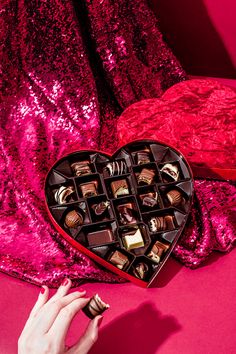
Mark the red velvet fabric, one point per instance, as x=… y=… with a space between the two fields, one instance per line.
x=198 y=117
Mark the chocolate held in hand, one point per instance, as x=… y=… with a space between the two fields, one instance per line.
x=146 y=177
x=95 y=307
x=127 y=214
x=170 y=171
x=64 y=194
x=81 y=168
x=73 y=219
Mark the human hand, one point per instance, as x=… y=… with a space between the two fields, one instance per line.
x=46 y=328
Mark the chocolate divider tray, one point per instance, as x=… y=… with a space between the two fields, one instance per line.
x=125 y=211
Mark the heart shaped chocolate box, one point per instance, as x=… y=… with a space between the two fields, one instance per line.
x=125 y=211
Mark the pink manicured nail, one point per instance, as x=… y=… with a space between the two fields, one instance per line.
x=100 y=321
x=65 y=282
x=42 y=290
x=81 y=290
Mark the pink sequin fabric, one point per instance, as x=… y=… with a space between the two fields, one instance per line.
x=68 y=70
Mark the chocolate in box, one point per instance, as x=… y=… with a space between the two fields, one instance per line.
x=125 y=211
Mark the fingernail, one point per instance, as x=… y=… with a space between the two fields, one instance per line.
x=81 y=290
x=100 y=321
x=42 y=291
x=65 y=282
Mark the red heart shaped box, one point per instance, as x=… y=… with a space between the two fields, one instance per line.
x=197 y=117
x=160 y=155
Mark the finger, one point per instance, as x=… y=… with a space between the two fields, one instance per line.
x=62 y=290
x=42 y=299
x=50 y=311
x=88 y=339
x=62 y=323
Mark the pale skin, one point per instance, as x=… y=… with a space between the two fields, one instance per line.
x=46 y=328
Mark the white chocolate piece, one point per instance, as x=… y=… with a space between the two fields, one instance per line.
x=133 y=240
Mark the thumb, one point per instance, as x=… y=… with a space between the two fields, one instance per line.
x=88 y=339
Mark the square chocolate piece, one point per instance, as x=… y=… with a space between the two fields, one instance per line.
x=89 y=189
x=100 y=237
x=146 y=177
x=133 y=239
x=119 y=187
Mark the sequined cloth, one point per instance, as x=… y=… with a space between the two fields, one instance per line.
x=68 y=69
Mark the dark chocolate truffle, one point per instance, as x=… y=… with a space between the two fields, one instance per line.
x=95 y=307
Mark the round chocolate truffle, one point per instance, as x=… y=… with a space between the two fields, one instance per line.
x=73 y=219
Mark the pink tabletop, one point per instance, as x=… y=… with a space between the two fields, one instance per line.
x=189 y=312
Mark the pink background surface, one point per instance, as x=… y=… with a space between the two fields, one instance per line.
x=189 y=312
x=201 y=33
